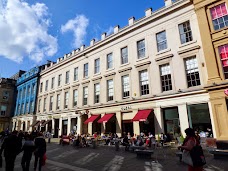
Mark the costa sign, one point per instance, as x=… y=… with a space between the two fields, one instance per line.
x=226 y=92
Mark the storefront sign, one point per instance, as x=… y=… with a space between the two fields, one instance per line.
x=126 y=107
x=226 y=92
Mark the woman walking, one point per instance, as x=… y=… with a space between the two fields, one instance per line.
x=190 y=141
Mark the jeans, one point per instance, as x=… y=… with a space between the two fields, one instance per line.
x=40 y=162
x=25 y=161
x=10 y=162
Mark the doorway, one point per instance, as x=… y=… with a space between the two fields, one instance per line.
x=127 y=126
x=56 y=133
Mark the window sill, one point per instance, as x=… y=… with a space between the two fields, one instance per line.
x=219 y=30
x=99 y=73
x=163 y=51
x=138 y=60
x=110 y=69
x=85 y=78
x=122 y=65
x=188 y=43
x=75 y=81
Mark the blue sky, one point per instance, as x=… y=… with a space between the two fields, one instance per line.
x=32 y=31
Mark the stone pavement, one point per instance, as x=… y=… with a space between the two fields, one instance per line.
x=105 y=158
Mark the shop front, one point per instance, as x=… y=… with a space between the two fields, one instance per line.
x=96 y=127
x=109 y=123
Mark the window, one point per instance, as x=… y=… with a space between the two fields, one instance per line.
x=192 y=72
x=109 y=61
x=166 y=80
x=185 y=32
x=28 y=90
x=144 y=82
x=22 y=108
x=97 y=66
x=46 y=85
x=59 y=79
x=141 y=48
x=75 y=74
x=41 y=87
x=86 y=70
x=66 y=99
x=52 y=82
x=85 y=95
x=34 y=89
x=125 y=86
x=27 y=107
x=67 y=77
x=124 y=55
x=24 y=91
x=110 y=89
x=39 y=104
x=75 y=100
x=45 y=99
x=51 y=103
x=58 y=101
x=3 y=110
x=31 y=106
x=5 y=95
x=219 y=16
x=161 y=41
x=18 y=109
x=223 y=51
x=96 y=93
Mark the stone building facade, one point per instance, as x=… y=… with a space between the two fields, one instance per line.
x=146 y=77
x=25 y=106
x=7 y=91
x=213 y=24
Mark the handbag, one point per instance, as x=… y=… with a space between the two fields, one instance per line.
x=198 y=158
x=186 y=158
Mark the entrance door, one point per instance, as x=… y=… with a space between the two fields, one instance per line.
x=171 y=122
x=64 y=127
x=56 y=134
x=127 y=126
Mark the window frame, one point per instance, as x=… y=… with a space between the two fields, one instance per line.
x=166 y=85
x=52 y=82
x=59 y=80
x=97 y=93
x=124 y=57
x=97 y=67
x=86 y=70
x=85 y=96
x=125 y=85
x=110 y=98
x=75 y=98
x=185 y=25
x=109 y=62
x=141 y=48
x=162 y=42
x=76 y=74
x=67 y=79
x=66 y=99
x=141 y=80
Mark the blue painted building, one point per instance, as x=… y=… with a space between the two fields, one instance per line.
x=27 y=86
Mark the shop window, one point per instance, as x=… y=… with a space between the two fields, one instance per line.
x=223 y=51
x=171 y=122
x=199 y=117
x=219 y=16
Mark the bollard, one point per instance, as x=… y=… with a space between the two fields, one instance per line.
x=94 y=144
x=117 y=145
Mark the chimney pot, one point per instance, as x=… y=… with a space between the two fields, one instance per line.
x=131 y=21
x=168 y=3
x=148 y=12
x=92 y=42
x=116 y=29
x=103 y=36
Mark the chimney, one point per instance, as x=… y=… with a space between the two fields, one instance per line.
x=82 y=47
x=168 y=3
x=131 y=21
x=65 y=56
x=73 y=52
x=116 y=29
x=148 y=12
x=77 y=50
x=92 y=42
x=103 y=36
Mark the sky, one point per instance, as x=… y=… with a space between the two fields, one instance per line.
x=34 y=31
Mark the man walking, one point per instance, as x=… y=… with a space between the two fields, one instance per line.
x=40 y=150
x=11 y=147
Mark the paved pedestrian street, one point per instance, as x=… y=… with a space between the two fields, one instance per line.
x=105 y=158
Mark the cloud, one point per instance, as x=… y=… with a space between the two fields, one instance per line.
x=24 y=31
x=78 y=26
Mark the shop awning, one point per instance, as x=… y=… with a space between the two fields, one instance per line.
x=105 y=118
x=91 y=119
x=45 y=122
x=142 y=115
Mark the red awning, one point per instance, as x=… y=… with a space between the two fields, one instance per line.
x=142 y=115
x=105 y=118
x=91 y=119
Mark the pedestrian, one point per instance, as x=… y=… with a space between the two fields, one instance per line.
x=189 y=142
x=11 y=147
x=28 y=149
x=40 y=150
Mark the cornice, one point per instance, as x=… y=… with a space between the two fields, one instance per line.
x=164 y=57
x=97 y=78
x=85 y=82
x=188 y=49
x=142 y=64
x=125 y=69
x=110 y=74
